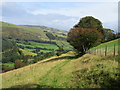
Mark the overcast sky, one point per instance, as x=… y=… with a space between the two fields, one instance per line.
x=60 y=15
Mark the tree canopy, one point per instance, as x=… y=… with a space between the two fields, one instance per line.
x=109 y=34
x=82 y=39
x=86 y=34
x=90 y=23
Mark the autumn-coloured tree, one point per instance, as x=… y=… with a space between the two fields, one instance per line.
x=89 y=22
x=83 y=39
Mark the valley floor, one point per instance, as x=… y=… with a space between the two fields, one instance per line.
x=65 y=71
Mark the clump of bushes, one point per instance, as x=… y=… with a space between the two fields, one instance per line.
x=97 y=77
x=19 y=63
x=42 y=56
x=6 y=68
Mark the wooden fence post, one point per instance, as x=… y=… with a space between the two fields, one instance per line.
x=95 y=51
x=114 y=50
x=106 y=50
x=100 y=51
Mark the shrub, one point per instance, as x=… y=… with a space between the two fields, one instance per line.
x=19 y=63
x=6 y=68
x=50 y=36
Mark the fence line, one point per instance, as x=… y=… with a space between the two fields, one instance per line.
x=105 y=51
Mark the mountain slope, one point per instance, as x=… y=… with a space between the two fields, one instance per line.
x=65 y=71
x=25 y=32
x=34 y=39
x=30 y=33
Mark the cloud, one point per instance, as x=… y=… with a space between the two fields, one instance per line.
x=12 y=9
x=61 y=0
x=103 y=11
x=60 y=15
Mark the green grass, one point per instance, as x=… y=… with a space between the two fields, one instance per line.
x=109 y=44
x=45 y=51
x=65 y=71
x=26 y=49
x=31 y=30
x=43 y=45
x=100 y=49
x=64 y=44
x=26 y=52
x=34 y=33
x=29 y=49
x=29 y=33
x=9 y=64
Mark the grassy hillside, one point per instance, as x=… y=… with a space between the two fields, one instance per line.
x=111 y=47
x=48 y=28
x=31 y=37
x=21 y=32
x=65 y=71
x=32 y=40
x=109 y=44
x=28 y=33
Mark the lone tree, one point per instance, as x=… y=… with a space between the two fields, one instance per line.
x=82 y=39
x=90 y=23
x=87 y=33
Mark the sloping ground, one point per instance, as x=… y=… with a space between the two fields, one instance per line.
x=110 y=48
x=29 y=38
x=88 y=71
x=28 y=33
x=21 y=32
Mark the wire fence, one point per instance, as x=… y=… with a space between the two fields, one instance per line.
x=105 y=51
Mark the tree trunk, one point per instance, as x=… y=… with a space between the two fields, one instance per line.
x=84 y=50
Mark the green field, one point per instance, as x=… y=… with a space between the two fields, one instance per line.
x=43 y=45
x=9 y=64
x=109 y=44
x=111 y=47
x=64 y=44
x=39 y=45
x=26 y=52
x=21 y=33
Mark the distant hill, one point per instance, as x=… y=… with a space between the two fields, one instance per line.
x=27 y=32
x=48 y=28
x=30 y=39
